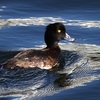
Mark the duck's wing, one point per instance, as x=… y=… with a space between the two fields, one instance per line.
x=26 y=53
x=22 y=59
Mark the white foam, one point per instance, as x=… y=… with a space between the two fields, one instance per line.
x=34 y=21
x=1 y=9
x=3 y=6
x=84 y=23
x=47 y=20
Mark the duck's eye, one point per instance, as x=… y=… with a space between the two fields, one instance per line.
x=59 y=31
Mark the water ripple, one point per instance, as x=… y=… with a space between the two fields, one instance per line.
x=47 y=20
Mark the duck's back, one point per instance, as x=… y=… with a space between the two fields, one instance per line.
x=44 y=59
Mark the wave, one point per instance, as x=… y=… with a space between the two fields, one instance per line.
x=37 y=83
x=47 y=20
x=2 y=7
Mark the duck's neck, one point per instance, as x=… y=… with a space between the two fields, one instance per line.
x=52 y=45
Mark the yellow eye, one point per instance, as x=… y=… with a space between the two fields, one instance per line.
x=59 y=31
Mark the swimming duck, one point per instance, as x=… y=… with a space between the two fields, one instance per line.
x=45 y=58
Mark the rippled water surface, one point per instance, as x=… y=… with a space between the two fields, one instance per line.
x=22 y=26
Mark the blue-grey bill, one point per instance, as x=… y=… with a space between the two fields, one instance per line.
x=69 y=38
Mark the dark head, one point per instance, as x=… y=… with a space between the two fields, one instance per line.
x=54 y=33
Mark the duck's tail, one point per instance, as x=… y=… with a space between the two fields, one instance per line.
x=1 y=65
x=10 y=64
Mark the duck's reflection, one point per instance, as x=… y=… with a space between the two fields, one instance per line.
x=62 y=81
x=68 y=59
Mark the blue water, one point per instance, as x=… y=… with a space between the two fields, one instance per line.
x=22 y=26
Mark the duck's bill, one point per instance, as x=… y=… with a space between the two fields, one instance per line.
x=69 y=38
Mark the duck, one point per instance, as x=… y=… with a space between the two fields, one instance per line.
x=45 y=58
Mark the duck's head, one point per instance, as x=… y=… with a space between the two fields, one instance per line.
x=54 y=33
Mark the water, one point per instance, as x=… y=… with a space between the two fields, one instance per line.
x=22 y=26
